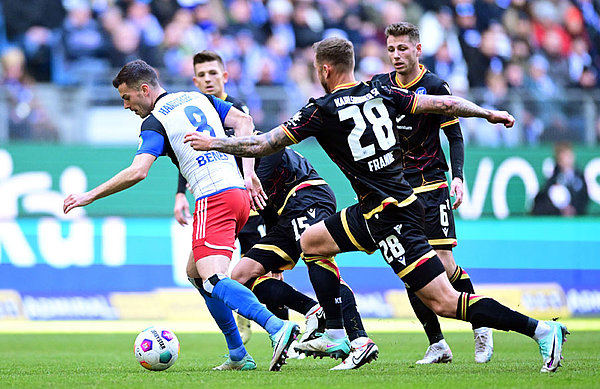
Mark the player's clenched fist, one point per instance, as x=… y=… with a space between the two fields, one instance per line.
x=198 y=141
x=501 y=117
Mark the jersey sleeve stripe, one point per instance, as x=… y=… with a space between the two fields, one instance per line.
x=414 y=104
x=449 y=123
x=288 y=133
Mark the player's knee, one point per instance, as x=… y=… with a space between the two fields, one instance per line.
x=308 y=242
x=442 y=305
x=247 y=269
x=240 y=276
x=317 y=240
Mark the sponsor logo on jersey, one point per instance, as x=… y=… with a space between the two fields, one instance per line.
x=421 y=91
x=399 y=118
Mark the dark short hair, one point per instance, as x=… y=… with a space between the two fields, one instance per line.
x=402 y=29
x=337 y=52
x=136 y=73
x=208 y=56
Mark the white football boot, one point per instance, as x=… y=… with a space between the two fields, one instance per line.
x=363 y=350
x=484 y=344
x=438 y=352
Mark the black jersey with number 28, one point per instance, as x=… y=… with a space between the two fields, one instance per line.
x=353 y=125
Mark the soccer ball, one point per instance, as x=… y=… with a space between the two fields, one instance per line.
x=156 y=348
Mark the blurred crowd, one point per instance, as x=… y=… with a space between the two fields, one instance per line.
x=536 y=50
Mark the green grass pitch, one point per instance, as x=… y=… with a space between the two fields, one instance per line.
x=107 y=361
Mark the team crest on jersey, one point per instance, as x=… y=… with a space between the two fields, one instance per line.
x=421 y=90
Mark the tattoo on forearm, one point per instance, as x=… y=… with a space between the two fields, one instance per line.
x=453 y=106
x=251 y=146
x=456 y=106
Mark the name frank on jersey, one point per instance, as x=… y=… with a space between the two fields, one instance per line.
x=381 y=162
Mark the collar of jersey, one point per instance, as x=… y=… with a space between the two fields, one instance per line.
x=413 y=82
x=161 y=96
x=345 y=86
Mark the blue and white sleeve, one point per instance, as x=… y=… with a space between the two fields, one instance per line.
x=151 y=142
x=221 y=106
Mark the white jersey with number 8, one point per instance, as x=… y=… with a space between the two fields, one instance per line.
x=207 y=172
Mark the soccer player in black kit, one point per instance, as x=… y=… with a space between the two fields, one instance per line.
x=425 y=170
x=297 y=198
x=353 y=124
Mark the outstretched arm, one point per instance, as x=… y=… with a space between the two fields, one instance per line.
x=457 y=106
x=136 y=172
x=247 y=146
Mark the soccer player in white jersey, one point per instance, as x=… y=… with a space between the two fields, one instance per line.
x=222 y=202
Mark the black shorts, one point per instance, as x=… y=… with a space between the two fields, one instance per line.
x=280 y=248
x=251 y=233
x=397 y=232
x=439 y=219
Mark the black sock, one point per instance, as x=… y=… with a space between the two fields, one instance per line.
x=483 y=311
x=325 y=279
x=461 y=282
x=427 y=317
x=277 y=295
x=352 y=321
x=281 y=312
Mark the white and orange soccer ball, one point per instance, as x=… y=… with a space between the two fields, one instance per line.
x=156 y=348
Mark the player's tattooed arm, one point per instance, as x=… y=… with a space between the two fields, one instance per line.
x=457 y=106
x=246 y=146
